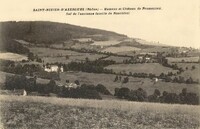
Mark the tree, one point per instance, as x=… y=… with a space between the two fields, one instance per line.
x=156 y=92
x=77 y=82
x=102 y=89
x=66 y=57
x=193 y=67
x=123 y=93
x=175 y=79
x=116 y=78
x=155 y=96
x=31 y=56
x=189 y=80
x=138 y=95
x=51 y=86
x=172 y=98
x=126 y=79
x=162 y=75
x=181 y=79
x=16 y=82
x=116 y=91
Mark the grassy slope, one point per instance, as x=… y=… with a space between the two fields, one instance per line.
x=12 y=56
x=154 y=68
x=42 y=112
x=194 y=73
x=50 y=55
x=48 y=32
x=186 y=59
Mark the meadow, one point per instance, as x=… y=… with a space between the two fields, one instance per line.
x=77 y=58
x=106 y=43
x=189 y=71
x=120 y=49
x=49 y=52
x=44 y=112
x=154 y=68
x=50 y=55
x=12 y=56
x=117 y=59
x=183 y=59
x=157 y=49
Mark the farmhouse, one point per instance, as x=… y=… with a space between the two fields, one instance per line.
x=53 y=68
x=71 y=85
x=147 y=57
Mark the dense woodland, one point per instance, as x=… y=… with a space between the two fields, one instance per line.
x=9 y=45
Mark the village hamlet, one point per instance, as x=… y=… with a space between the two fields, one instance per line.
x=117 y=65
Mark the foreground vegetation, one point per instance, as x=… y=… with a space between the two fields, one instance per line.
x=43 y=112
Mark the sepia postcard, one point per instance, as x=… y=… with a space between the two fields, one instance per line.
x=99 y=64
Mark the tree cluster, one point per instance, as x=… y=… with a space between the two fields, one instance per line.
x=10 y=45
x=140 y=95
x=30 y=85
x=96 y=66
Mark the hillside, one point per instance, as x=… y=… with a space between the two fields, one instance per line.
x=50 y=32
x=43 y=112
x=60 y=35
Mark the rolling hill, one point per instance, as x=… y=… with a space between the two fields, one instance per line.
x=52 y=33
x=49 y=32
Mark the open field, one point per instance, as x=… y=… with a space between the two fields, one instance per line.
x=193 y=73
x=157 y=49
x=106 y=43
x=85 y=46
x=134 y=83
x=120 y=49
x=50 y=55
x=183 y=59
x=154 y=68
x=117 y=59
x=12 y=56
x=49 y=52
x=42 y=112
x=76 y=58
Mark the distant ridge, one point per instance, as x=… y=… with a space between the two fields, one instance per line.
x=50 y=32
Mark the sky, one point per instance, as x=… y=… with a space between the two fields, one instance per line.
x=177 y=23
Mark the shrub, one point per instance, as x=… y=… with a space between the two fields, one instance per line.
x=77 y=82
x=16 y=82
x=102 y=89
x=188 y=98
x=193 y=67
x=191 y=98
x=87 y=91
x=155 y=97
x=172 y=98
x=157 y=92
x=138 y=95
x=123 y=93
x=116 y=91
x=126 y=79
